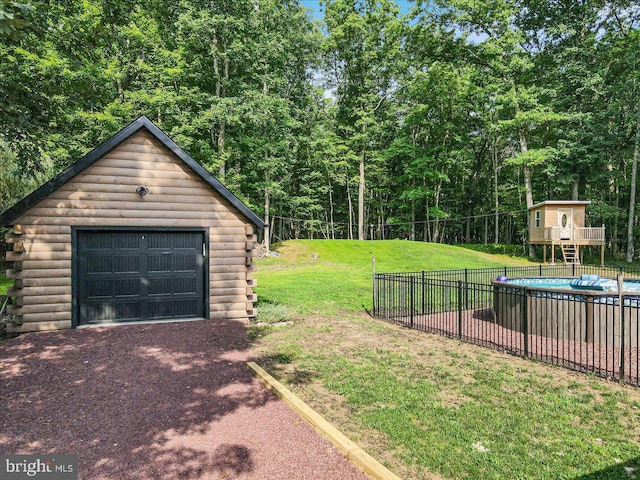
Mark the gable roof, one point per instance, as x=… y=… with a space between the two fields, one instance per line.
x=134 y=127
x=560 y=202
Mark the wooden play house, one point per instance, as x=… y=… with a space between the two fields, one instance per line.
x=561 y=223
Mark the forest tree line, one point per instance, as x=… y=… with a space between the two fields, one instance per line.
x=442 y=124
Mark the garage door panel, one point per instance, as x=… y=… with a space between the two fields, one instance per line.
x=161 y=241
x=129 y=276
x=126 y=264
x=160 y=286
x=174 y=285
x=98 y=242
x=126 y=240
x=161 y=309
x=184 y=262
x=160 y=263
x=99 y=264
x=189 y=306
x=96 y=288
x=126 y=287
x=185 y=285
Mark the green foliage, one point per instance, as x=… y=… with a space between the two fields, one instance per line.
x=13 y=17
x=15 y=183
x=456 y=111
x=271 y=313
x=4 y=284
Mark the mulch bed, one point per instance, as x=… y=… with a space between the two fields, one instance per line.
x=166 y=400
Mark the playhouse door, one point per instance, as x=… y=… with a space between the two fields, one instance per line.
x=564 y=223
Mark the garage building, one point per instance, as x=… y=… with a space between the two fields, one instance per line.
x=134 y=231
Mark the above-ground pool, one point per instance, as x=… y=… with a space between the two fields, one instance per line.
x=585 y=282
x=584 y=309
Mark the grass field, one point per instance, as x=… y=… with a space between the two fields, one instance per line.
x=340 y=278
x=427 y=406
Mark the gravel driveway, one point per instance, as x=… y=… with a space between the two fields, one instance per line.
x=166 y=400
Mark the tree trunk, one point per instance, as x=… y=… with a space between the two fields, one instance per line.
x=486 y=229
x=220 y=92
x=413 y=220
x=267 y=232
x=222 y=124
x=575 y=188
x=524 y=147
x=350 y=204
x=632 y=193
x=496 y=236
x=467 y=230
x=332 y=234
x=436 y=223
x=267 y=239
x=527 y=182
x=221 y=156
x=361 y=186
x=428 y=224
x=615 y=246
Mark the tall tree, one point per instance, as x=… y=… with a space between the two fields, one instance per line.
x=363 y=39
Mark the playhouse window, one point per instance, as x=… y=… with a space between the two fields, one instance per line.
x=537 y=219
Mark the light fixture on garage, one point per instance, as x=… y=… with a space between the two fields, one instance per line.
x=142 y=191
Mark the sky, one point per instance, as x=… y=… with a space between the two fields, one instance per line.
x=314 y=6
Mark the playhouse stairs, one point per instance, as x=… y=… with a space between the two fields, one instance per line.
x=570 y=253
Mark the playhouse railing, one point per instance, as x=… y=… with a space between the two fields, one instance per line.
x=578 y=234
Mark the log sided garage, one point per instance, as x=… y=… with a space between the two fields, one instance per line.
x=136 y=230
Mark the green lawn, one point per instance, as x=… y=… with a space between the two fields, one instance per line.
x=424 y=404
x=4 y=284
x=340 y=278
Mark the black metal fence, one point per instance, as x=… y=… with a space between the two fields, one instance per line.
x=584 y=330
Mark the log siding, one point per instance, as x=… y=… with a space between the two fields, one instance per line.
x=103 y=195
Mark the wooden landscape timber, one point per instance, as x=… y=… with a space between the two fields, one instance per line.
x=365 y=462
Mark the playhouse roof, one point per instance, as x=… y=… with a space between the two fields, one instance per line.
x=140 y=123
x=561 y=202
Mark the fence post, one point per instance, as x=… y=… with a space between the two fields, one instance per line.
x=412 y=299
x=375 y=284
x=466 y=289
x=622 y=322
x=589 y=319
x=459 y=309
x=525 y=321
x=424 y=291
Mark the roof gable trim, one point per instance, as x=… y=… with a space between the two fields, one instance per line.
x=561 y=202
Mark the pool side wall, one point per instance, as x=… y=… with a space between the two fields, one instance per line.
x=559 y=316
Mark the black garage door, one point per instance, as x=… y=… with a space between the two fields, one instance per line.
x=139 y=275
